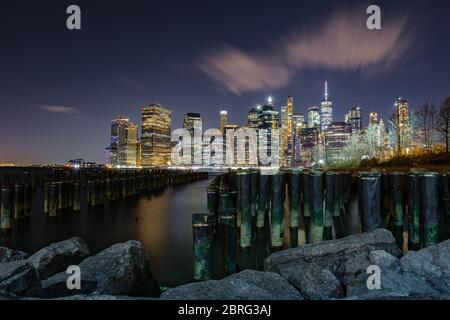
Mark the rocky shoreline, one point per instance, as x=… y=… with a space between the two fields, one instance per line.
x=329 y=270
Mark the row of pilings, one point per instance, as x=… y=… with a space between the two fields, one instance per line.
x=63 y=190
x=298 y=207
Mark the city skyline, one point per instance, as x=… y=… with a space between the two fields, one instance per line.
x=64 y=92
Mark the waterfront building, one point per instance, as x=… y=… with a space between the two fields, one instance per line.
x=124 y=138
x=336 y=139
x=287 y=127
x=253 y=117
x=314 y=117
x=269 y=119
x=156 y=135
x=193 y=123
x=326 y=110
x=404 y=134
x=355 y=119
x=307 y=141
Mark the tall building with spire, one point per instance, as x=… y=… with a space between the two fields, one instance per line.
x=287 y=132
x=326 y=110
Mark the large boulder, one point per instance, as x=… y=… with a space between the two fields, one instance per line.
x=383 y=259
x=246 y=285
x=314 y=282
x=346 y=258
x=122 y=269
x=56 y=286
x=394 y=286
x=17 y=277
x=9 y=255
x=58 y=256
x=431 y=264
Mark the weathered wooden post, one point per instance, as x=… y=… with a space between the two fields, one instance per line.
x=228 y=239
x=294 y=204
x=397 y=182
x=202 y=225
x=28 y=193
x=330 y=204
x=59 y=199
x=53 y=202
x=444 y=194
x=428 y=200
x=369 y=201
x=46 y=196
x=413 y=212
x=19 y=212
x=316 y=200
x=277 y=200
x=76 y=207
x=263 y=200
x=254 y=191
x=246 y=215
x=5 y=209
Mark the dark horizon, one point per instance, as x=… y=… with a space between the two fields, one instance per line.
x=61 y=88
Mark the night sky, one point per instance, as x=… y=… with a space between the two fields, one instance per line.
x=59 y=89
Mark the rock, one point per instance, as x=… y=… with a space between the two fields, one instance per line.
x=17 y=277
x=9 y=255
x=314 y=282
x=431 y=264
x=384 y=260
x=394 y=285
x=122 y=269
x=56 y=286
x=345 y=258
x=246 y=285
x=58 y=256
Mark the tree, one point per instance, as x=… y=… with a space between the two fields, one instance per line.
x=426 y=124
x=443 y=122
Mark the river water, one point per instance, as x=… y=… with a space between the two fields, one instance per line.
x=161 y=221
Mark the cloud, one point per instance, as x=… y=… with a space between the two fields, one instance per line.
x=58 y=109
x=343 y=43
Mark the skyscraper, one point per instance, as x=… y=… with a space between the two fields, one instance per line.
x=313 y=117
x=253 y=117
x=156 y=133
x=336 y=138
x=326 y=110
x=354 y=118
x=269 y=119
x=287 y=132
x=403 y=125
x=124 y=138
x=307 y=140
x=223 y=120
x=193 y=123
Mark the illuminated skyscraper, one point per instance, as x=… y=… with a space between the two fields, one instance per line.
x=223 y=120
x=287 y=132
x=403 y=125
x=193 y=123
x=356 y=119
x=156 y=132
x=326 y=110
x=313 y=117
x=336 y=138
x=307 y=141
x=253 y=117
x=269 y=119
x=124 y=138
